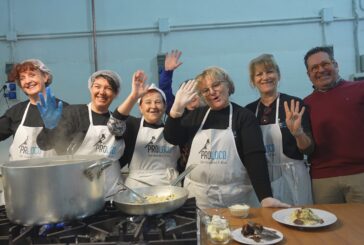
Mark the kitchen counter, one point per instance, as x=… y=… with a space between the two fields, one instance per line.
x=348 y=229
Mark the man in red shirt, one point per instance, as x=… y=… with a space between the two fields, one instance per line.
x=336 y=109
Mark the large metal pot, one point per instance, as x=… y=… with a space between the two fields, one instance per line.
x=50 y=190
x=129 y=203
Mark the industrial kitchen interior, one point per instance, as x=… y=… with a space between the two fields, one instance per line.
x=105 y=61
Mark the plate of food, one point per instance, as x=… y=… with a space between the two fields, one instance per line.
x=304 y=217
x=254 y=233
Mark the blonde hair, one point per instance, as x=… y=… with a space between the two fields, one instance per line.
x=216 y=74
x=265 y=60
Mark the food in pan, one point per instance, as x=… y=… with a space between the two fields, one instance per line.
x=159 y=198
x=305 y=216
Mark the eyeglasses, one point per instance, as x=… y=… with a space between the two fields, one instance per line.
x=215 y=86
x=265 y=116
x=324 y=64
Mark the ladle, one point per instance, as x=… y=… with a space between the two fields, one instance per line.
x=142 y=198
x=183 y=174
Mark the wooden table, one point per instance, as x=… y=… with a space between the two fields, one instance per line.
x=348 y=229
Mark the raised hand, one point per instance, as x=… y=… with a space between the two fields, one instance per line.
x=49 y=110
x=184 y=95
x=139 y=86
x=172 y=61
x=294 y=117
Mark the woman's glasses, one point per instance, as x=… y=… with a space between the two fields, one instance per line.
x=214 y=86
x=265 y=116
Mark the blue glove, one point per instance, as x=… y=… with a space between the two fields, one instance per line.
x=49 y=111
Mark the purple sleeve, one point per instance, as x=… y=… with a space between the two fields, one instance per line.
x=165 y=83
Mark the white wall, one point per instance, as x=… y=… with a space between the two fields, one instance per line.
x=224 y=33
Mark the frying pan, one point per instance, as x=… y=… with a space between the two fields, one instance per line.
x=130 y=203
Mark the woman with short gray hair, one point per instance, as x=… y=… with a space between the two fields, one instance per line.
x=83 y=129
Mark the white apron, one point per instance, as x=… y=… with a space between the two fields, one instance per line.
x=99 y=141
x=220 y=178
x=154 y=161
x=24 y=145
x=290 y=178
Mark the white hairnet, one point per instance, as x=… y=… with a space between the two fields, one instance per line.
x=153 y=87
x=113 y=75
x=42 y=67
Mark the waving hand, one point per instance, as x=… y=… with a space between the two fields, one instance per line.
x=49 y=110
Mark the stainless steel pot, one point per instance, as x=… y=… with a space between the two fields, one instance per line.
x=50 y=190
x=129 y=203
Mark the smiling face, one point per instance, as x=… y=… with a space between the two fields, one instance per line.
x=265 y=79
x=33 y=82
x=102 y=95
x=152 y=107
x=322 y=71
x=215 y=93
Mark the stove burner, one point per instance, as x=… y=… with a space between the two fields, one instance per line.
x=108 y=227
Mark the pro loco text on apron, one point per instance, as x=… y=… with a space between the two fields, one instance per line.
x=24 y=145
x=99 y=141
x=220 y=178
x=290 y=179
x=154 y=161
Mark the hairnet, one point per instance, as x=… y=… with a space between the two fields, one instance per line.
x=113 y=75
x=153 y=87
x=42 y=67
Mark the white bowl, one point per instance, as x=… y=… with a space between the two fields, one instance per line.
x=239 y=210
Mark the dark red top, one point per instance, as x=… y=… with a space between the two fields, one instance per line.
x=337 y=121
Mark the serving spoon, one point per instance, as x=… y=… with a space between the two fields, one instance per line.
x=140 y=197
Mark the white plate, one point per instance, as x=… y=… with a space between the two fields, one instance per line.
x=283 y=216
x=237 y=236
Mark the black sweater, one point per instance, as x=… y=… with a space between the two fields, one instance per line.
x=248 y=139
x=9 y=122
x=71 y=129
x=289 y=144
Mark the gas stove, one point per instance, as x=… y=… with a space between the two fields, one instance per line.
x=107 y=227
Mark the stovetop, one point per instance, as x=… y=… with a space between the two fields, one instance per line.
x=107 y=227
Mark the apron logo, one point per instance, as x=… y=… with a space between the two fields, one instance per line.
x=282 y=125
x=207 y=154
x=153 y=148
x=25 y=150
x=100 y=145
x=269 y=150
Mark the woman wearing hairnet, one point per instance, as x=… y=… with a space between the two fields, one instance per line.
x=23 y=121
x=83 y=130
x=151 y=159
